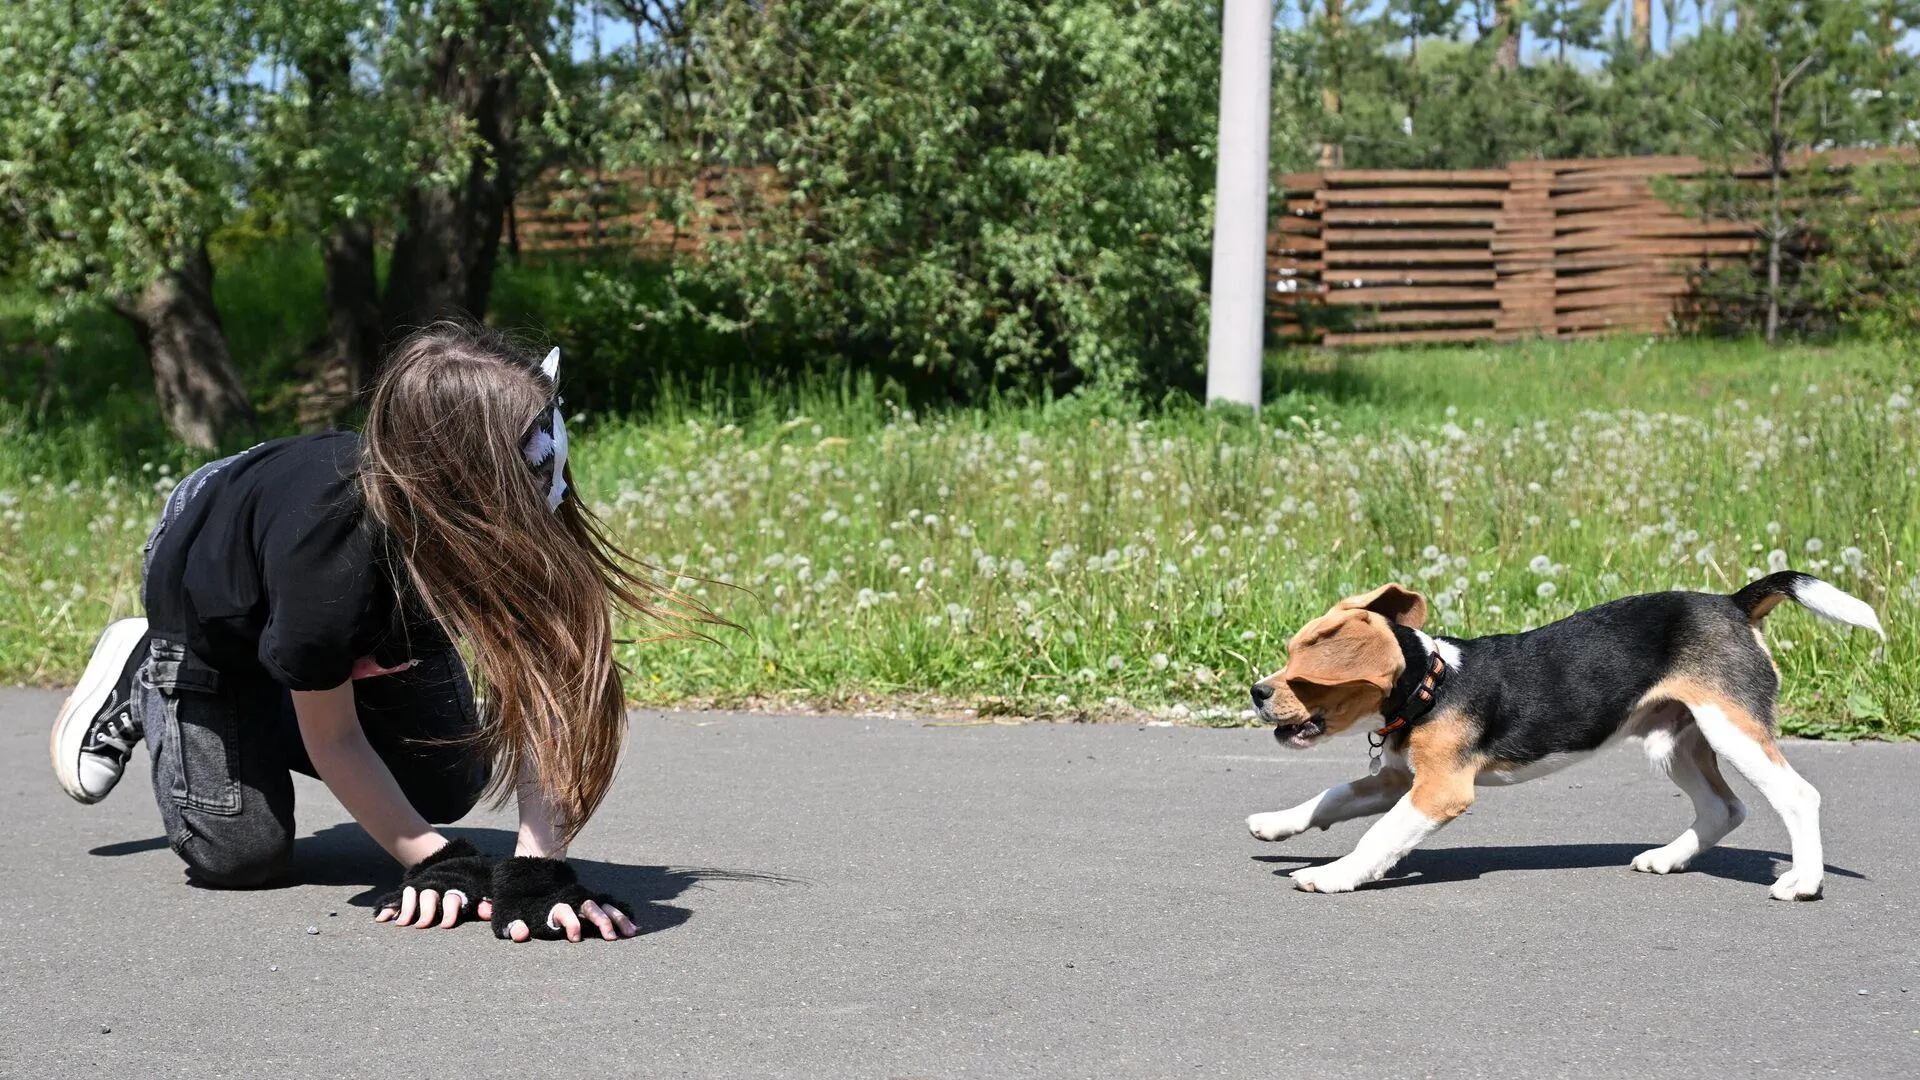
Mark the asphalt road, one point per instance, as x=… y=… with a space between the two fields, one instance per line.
x=876 y=898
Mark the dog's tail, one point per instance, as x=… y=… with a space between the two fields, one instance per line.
x=1809 y=592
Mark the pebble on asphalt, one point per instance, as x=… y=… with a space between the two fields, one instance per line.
x=105 y=1030
x=313 y=929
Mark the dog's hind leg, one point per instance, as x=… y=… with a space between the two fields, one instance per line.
x=1717 y=811
x=1361 y=798
x=1746 y=742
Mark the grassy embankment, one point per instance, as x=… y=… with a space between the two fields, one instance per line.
x=1089 y=558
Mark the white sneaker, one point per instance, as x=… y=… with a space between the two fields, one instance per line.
x=93 y=736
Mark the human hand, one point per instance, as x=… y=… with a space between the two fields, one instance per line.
x=440 y=889
x=543 y=898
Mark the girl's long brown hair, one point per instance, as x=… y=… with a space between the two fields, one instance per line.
x=529 y=592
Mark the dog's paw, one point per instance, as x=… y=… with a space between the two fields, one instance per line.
x=1794 y=885
x=1278 y=825
x=1663 y=860
x=1330 y=878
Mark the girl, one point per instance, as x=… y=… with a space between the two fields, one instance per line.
x=302 y=603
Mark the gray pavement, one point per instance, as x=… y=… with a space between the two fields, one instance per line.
x=877 y=898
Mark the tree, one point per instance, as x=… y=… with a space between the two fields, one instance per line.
x=1568 y=24
x=1790 y=77
x=473 y=58
x=1508 y=30
x=970 y=195
x=404 y=118
x=122 y=135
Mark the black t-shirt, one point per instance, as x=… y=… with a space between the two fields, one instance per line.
x=273 y=566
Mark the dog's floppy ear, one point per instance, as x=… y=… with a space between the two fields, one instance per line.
x=1396 y=602
x=1342 y=648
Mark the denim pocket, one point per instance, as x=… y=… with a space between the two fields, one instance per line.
x=202 y=731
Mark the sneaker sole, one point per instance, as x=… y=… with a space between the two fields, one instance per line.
x=109 y=659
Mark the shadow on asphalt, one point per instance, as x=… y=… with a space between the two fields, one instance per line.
x=344 y=855
x=129 y=847
x=1469 y=863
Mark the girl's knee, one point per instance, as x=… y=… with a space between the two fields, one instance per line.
x=243 y=861
x=449 y=799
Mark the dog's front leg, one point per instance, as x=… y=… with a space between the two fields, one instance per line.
x=1433 y=801
x=1364 y=797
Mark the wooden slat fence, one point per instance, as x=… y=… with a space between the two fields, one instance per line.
x=615 y=212
x=1540 y=248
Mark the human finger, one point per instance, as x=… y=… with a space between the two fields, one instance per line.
x=518 y=931
x=562 y=916
x=429 y=907
x=408 y=898
x=485 y=910
x=450 y=905
x=593 y=913
x=625 y=925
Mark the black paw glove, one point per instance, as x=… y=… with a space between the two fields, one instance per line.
x=458 y=867
x=526 y=889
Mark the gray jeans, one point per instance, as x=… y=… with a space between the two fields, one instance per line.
x=225 y=747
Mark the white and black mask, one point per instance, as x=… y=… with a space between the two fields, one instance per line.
x=546 y=448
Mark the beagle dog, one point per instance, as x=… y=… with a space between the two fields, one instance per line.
x=1686 y=672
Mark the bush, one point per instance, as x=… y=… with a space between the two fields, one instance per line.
x=975 y=195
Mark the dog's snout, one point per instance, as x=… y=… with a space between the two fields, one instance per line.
x=1262 y=693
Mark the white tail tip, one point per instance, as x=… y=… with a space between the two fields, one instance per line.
x=1830 y=603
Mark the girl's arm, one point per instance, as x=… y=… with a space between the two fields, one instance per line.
x=541 y=838
x=540 y=833
x=348 y=765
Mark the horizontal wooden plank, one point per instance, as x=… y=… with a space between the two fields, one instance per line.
x=1432 y=317
x=1406 y=236
x=1652 y=247
x=1409 y=256
x=1412 y=276
x=1645 y=263
x=1344 y=178
x=1412 y=215
x=1411 y=196
x=1413 y=294
x=1404 y=337
x=1655 y=278
x=1625 y=296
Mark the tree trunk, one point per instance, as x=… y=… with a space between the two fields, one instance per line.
x=1507 y=56
x=1643 y=25
x=201 y=397
x=342 y=359
x=449 y=241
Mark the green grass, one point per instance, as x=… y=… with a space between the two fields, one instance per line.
x=1088 y=558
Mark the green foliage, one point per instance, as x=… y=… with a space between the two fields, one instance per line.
x=981 y=194
x=123 y=134
x=1789 y=78
x=1575 y=24
x=1866 y=277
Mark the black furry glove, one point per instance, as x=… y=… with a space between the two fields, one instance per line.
x=456 y=867
x=525 y=889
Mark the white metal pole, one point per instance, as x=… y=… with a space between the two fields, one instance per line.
x=1238 y=324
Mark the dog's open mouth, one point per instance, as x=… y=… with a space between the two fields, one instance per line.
x=1301 y=735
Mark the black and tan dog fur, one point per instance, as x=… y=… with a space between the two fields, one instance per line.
x=1687 y=672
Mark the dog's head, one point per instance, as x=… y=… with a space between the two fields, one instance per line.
x=1340 y=667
